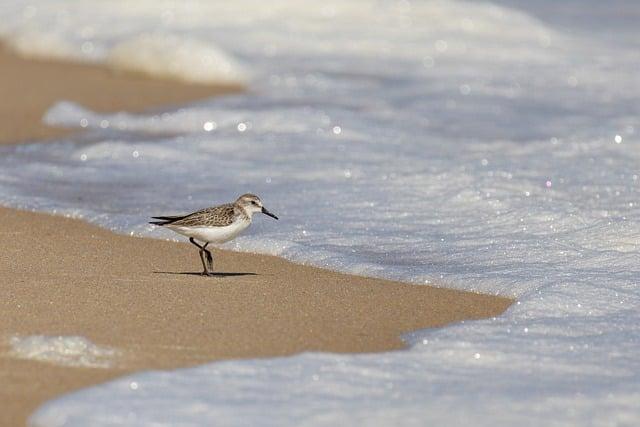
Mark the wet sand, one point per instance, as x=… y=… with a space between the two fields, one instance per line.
x=61 y=276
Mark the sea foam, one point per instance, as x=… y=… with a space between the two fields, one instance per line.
x=156 y=54
x=62 y=350
x=179 y=58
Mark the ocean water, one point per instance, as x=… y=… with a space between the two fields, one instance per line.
x=484 y=146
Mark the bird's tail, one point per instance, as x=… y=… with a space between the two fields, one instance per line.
x=164 y=220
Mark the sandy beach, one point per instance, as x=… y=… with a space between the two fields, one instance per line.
x=140 y=296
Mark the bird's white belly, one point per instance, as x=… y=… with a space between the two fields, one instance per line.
x=212 y=234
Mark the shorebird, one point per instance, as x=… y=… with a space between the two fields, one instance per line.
x=217 y=224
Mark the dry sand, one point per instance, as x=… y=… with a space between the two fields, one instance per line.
x=60 y=276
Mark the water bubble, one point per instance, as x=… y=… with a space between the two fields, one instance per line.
x=337 y=130
x=428 y=62
x=84 y=122
x=87 y=47
x=135 y=154
x=441 y=46
x=242 y=127
x=104 y=124
x=83 y=157
x=618 y=139
x=209 y=126
x=465 y=89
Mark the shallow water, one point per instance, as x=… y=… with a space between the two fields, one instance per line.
x=472 y=145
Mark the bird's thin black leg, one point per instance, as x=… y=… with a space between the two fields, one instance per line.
x=192 y=240
x=209 y=256
x=205 y=272
x=202 y=252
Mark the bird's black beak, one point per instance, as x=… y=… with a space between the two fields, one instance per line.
x=266 y=212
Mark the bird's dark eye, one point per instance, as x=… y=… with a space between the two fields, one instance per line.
x=253 y=202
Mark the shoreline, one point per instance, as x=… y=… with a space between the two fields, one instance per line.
x=145 y=298
x=63 y=276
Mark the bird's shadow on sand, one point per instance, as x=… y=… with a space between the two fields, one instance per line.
x=191 y=273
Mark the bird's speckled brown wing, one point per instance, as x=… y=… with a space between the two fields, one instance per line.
x=218 y=216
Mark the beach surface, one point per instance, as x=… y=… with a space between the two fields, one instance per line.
x=144 y=298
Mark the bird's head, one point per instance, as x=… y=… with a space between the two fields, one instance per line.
x=252 y=204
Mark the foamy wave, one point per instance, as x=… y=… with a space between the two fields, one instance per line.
x=62 y=350
x=158 y=55
x=31 y=43
x=178 y=58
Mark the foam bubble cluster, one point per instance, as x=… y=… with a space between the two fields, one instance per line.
x=179 y=58
x=62 y=350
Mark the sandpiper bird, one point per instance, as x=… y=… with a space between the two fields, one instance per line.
x=217 y=224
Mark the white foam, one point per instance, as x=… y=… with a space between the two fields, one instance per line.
x=62 y=350
x=31 y=43
x=175 y=57
x=165 y=55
